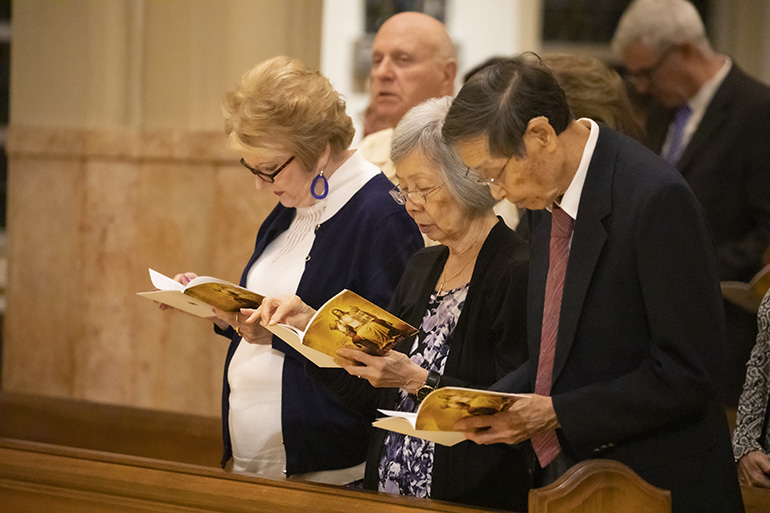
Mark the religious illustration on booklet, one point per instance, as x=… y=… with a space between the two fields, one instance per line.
x=346 y=320
x=202 y=293
x=435 y=418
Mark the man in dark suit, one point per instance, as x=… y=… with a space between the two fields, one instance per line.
x=710 y=120
x=628 y=354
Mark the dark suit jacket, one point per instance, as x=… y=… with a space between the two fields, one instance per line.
x=640 y=332
x=727 y=165
x=488 y=341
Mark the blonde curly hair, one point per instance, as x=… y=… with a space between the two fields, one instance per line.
x=281 y=104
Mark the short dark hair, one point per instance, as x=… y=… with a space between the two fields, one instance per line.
x=500 y=99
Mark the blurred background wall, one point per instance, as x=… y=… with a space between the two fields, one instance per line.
x=117 y=162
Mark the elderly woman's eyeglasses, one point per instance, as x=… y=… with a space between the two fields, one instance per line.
x=417 y=197
x=268 y=177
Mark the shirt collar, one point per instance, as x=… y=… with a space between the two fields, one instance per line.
x=571 y=199
x=702 y=98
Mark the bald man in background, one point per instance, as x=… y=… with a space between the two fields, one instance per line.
x=413 y=59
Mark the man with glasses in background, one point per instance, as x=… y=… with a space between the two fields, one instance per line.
x=710 y=120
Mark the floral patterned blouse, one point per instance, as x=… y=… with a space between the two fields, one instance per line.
x=751 y=422
x=406 y=463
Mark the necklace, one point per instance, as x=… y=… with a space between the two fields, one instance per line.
x=441 y=287
x=473 y=254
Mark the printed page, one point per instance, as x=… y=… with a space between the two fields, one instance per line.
x=348 y=320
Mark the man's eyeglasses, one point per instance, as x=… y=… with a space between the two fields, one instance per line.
x=645 y=75
x=489 y=182
x=417 y=197
x=268 y=177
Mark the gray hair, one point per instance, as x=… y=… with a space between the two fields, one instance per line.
x=660 y=24
x=420 y=129
x=498 y=102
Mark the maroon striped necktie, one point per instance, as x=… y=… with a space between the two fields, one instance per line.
x=546 y=444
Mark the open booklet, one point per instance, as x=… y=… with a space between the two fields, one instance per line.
x=435 y=417
x=748 y=295
x=346 y=320
x=200 y=294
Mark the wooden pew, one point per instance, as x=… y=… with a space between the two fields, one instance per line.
x=756 y=500
x=598 y=486
x=168 y=438
x=55 y=479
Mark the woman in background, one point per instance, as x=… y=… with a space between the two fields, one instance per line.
x=751 y=440
x=596 y=91
x=335 y=227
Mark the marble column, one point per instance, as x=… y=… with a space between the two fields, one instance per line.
x=117 y=163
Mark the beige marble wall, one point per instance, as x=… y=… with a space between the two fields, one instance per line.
x=88 y=213
x=117 y=163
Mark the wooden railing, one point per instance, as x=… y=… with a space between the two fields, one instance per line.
x=60 y=455
x=43 y=477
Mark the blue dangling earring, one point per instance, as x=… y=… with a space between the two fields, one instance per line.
x=319 y=176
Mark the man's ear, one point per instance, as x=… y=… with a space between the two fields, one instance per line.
x=450 y=72
x=539 y=135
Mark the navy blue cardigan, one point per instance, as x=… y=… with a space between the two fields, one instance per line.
x=364 y=247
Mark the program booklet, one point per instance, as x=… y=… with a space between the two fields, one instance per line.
x=346 y=320
x=435 y=417
x=748 y=295
x=202 y=293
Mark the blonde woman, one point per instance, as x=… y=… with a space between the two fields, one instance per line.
x=335 y=226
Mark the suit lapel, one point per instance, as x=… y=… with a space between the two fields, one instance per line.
x=588 y=241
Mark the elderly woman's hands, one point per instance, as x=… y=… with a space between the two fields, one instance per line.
x=391 y=370
x=753 y=469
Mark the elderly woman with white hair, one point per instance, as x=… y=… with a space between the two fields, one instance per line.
x=468 y=296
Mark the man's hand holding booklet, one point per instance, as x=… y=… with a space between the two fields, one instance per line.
x=435 y=418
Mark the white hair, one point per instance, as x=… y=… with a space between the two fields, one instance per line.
x=660 y=24
x=420 y=130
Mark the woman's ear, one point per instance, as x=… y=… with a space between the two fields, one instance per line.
x=323 y=160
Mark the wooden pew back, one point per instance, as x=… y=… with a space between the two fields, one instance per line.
x=42 y=477
x=598 y=486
